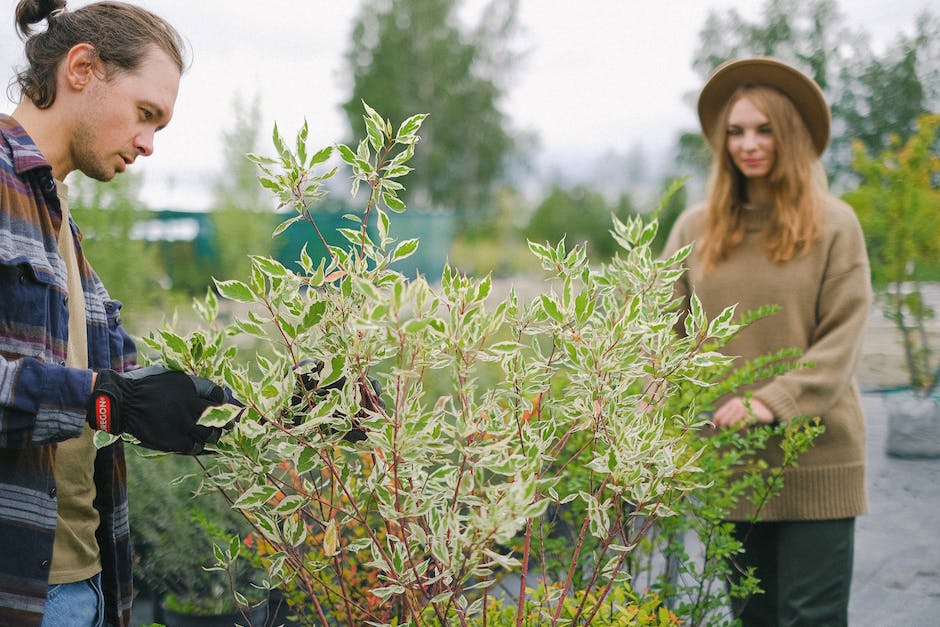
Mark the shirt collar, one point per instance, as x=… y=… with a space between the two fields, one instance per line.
x=26 y=155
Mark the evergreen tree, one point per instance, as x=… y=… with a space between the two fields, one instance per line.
x=414 y=55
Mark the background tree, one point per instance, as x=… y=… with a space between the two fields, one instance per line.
x=872 y=95
x=898 y=206
x=241 y=212
x=414 y=55
x=880 y=96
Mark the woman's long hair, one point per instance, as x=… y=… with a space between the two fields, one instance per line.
x=797 y=182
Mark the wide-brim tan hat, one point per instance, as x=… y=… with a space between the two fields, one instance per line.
x=802 y=91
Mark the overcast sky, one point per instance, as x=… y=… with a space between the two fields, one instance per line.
x=599 y=75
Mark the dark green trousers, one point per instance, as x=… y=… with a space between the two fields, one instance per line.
x=805 y=570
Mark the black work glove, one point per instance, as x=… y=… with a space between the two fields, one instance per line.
x=369 y=399
x=158 y=406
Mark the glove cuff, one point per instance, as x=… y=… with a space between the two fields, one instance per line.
x=103 y=412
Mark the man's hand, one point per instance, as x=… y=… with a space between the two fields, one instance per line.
x=737 y=410
x=159 y=407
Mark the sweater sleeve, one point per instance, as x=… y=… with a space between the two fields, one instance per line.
x=843 y=303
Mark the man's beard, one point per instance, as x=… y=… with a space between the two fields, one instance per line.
x=85 y=158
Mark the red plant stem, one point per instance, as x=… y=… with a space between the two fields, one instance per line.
x=574 y=560
x=605 y=545
x=277 y=323
x=316 y=603
x=342 y=586
x=313 y=223
x=526 y=549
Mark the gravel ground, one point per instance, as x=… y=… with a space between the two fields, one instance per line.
x=897 y=544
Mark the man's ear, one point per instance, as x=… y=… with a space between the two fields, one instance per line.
x=80 y=66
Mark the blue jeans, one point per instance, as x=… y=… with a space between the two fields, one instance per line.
x=75 y=604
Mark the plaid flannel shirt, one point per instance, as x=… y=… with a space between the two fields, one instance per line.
x=42 y=401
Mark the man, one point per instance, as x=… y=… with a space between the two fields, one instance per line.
x=100 y=81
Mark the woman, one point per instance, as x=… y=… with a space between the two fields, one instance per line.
x=770 y=233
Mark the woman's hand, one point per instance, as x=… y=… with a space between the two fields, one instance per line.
x=737 y=411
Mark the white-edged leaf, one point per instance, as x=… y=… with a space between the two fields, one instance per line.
x=235 y=290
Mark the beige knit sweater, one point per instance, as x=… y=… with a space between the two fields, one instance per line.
x=824 y=298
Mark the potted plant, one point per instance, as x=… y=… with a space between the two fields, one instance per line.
x=898 y=206
x=491 y=414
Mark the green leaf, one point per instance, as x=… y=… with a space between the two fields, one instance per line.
x=393 y=202
x=387 y=592
x=484 y=288
x=286 y=223
x=347 y=155
x=383 y=223
x=219 y=416
x=375 y=134
x=363 y=166
x=295 y=532
x=235 y=290
x=255 y=496
x=396 y=171
x=550 y=307
x=321 y=156
x=174 y=342
x=372 y=114
x=408 y=129
x=290 y=504
x=269 y=183
x=286 y=157
x=306 y=262
x=103 y=439
x=306 y=461
x=405 y=249
x=697 y=312
x=301 y=144
x=540 y=251
x=314 y=314
x=261 y=159
x=353 y=236
x=270 y=267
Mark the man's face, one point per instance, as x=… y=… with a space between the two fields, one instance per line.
x=121 y=115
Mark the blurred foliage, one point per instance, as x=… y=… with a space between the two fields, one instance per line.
x=242 y=213
x=414 y=55
x=873 y=95
x=172 y=533
x=129 y=267
x=497 y=247
x=669 y=211
x=581 y=216
x=898 y=206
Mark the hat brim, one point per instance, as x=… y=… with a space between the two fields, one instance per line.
x=802 y=91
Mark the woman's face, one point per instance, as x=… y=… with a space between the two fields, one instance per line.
x=750 y=140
